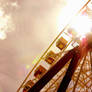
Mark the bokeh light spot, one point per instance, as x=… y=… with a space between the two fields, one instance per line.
x=27 y=66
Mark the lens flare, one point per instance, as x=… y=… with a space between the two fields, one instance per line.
x=27 y=66
x=68 y=12
x=82 y=25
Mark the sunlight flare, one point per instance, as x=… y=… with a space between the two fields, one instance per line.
x=82 y=25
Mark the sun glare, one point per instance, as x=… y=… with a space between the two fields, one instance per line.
x=69 y=11
x=82 y=25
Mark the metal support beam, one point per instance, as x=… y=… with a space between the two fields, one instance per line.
x=55 y=69
x=79 y=74
x=67 y=78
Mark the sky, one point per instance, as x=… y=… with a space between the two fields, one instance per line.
x=33 y=25
x=30 y=28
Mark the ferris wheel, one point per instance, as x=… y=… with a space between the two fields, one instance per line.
x=66 y=65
